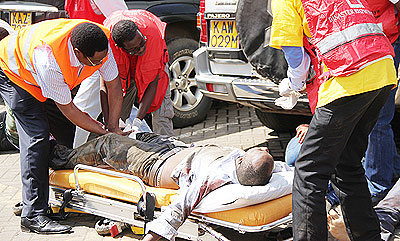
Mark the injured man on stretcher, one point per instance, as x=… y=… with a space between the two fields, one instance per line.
x=168 y=163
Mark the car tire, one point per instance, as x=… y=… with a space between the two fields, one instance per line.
x=282 y=122
x=190 y=105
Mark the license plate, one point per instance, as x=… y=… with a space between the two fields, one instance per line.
x=19 y=20
x=223 y=34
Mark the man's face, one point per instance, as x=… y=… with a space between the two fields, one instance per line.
x=136 y=46
x=95 y=60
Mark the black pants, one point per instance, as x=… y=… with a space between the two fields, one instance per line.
x=33 y=126
x=333 y=148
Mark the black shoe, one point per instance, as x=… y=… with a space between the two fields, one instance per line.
x=43 y=225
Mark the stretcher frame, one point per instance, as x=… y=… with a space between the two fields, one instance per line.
x=196 y=227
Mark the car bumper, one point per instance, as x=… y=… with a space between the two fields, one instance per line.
x=249 y=91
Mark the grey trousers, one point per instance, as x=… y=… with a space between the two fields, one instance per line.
x=161 y=118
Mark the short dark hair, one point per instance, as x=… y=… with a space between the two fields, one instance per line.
x=255 y=170
x=89 y=38
x=124 y=30
x=3 y=33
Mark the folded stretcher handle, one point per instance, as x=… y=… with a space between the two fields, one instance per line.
x=107 y=172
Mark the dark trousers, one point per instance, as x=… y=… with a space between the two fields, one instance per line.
x=32 y=122
x=333 y=148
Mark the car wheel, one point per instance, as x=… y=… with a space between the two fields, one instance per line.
x=190 y=105
x=282 y=122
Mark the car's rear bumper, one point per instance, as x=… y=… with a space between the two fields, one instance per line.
x=249 y=91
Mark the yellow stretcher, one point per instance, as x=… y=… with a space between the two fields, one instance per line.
x=116 y=195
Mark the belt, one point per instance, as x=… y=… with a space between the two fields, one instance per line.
x=154 y=181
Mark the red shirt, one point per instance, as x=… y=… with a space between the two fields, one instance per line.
x=143 y=69
x=83 y=9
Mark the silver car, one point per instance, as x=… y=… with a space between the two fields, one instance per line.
x=223 y=71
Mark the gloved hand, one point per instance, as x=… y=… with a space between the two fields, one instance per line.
x=137 y=123
x=288 y=102
x=284 y=87
x=135 y=126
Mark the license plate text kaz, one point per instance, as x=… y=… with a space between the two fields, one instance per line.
x=19 y=20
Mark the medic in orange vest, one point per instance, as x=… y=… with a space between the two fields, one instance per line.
x=16 y=62
x=47 y=60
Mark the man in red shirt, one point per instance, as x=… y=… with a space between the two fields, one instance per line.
x=141 y=54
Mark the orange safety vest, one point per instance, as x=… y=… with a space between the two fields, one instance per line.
x=16 y=53
x=345 y=37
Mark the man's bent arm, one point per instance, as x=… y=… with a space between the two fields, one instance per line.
x=81 y=119
x=147 y=98
x=176 y=213
x=114 y=98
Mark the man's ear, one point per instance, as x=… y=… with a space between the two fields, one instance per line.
x=77 y=52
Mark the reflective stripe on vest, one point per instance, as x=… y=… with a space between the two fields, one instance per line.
x=345 y=35
x=16 y=52
x=348 y=35
x=12 y=62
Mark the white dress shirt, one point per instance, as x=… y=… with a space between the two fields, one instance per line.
x=50 y=78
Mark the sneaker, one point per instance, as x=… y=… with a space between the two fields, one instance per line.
x=107 y=226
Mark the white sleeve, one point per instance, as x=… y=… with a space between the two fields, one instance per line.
x=49 y=76
x=298 y=75
x=109 y=70
x=107 y=6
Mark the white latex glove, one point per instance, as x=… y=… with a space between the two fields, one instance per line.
x=288 y=102
x=137 y=123
x=135 y=126
x=284 y=87
x=128 y=125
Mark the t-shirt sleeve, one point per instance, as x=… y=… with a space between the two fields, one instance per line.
x=288 y=23
x=49 y=76
x=109 y=70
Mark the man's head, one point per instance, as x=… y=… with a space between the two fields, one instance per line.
x=255 y=167
x=127 y=36
x=3 y=33
x=90 y=43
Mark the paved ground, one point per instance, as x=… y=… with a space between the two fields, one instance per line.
x=225 y=124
